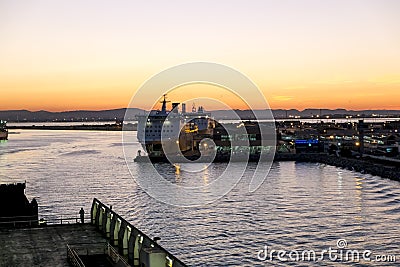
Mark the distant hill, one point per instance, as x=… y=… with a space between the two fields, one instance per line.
x=78 y=115
x=334 y=113
x=307 y=113
x=118 y=114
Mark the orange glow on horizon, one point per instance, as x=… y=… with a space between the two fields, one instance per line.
x=104 y=95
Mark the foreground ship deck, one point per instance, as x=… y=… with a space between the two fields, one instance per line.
x=44 y=246
x=109 y=240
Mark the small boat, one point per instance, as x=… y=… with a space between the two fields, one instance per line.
x=3 y=130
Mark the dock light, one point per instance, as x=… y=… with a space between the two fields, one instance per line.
x=357 y=143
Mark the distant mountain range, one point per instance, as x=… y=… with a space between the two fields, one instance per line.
x=77 y=115
x=118 y=114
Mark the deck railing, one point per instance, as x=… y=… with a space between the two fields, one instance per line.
x=87 y=249
x=19 y=221
x=30 y=221
x=73 y=257
x=115 y=257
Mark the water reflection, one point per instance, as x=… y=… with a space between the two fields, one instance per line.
x=359 y=197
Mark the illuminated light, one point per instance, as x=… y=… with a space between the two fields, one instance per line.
x=357 y=143
x=169 y=261
x=177 y=169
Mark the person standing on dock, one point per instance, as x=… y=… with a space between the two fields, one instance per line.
x=82 y=215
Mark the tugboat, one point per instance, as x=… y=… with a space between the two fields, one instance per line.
x=3 y=130
x=164 y=133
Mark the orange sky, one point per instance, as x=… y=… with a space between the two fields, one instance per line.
x=62 y=55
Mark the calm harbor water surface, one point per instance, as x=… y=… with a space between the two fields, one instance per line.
x=299 y=206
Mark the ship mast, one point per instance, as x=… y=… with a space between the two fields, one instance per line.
x=164 y=104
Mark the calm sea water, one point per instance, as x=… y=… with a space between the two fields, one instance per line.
x=300 y=206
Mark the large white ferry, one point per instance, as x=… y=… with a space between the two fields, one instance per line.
x=163 y=132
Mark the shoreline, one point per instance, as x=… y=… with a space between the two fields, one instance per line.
x=102 y=127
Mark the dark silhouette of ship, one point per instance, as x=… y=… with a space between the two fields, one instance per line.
x=15 y=208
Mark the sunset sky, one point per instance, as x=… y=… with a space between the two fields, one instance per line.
x=68 y=55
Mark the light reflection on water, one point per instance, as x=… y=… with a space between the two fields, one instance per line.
x=299 y=206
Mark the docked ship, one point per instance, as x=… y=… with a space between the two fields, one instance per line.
x=165 y=132
x=3 y=130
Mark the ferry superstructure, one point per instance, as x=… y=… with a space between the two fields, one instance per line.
x=161 y=131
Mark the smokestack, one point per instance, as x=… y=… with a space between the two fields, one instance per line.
x=175 y=107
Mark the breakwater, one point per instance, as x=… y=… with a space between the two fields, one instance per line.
x=382 y=168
